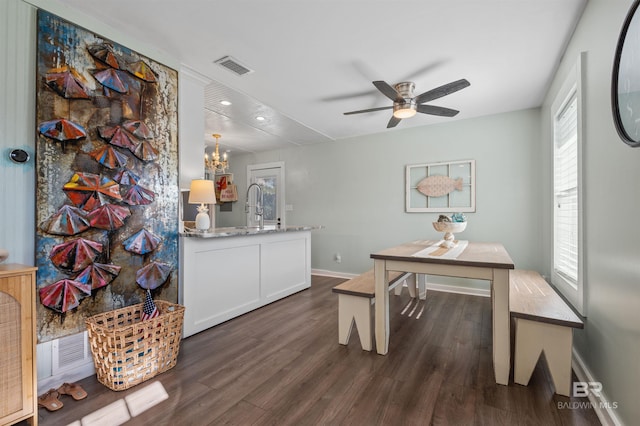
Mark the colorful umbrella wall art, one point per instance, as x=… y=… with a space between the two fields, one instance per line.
x=126 y=177
x=64 y=295
x=108 y=216
x=75 y=254
x=62 y=130
x=136 y=195
x=145 y=151
x=138 y=129
x=68 y=220
x=153 y=275
x=118 y=136
x=67 y=83
x=143 y=71
x=134 y=136
x=90 y=191
x=98 y=275
x=112 y=79
x=142 y=242
x=107 y=177
x=109 y=157
x=104 y=53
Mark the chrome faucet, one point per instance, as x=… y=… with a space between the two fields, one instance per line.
x=259 y=206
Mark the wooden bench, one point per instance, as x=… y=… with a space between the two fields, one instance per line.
x=543 y=322
x=355 y=298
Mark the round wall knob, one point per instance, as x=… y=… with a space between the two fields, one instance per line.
x=19 y=156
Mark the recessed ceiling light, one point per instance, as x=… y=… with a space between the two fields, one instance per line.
x=225 y=103
x=260 y=118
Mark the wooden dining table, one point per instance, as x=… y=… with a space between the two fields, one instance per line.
x=484 y=261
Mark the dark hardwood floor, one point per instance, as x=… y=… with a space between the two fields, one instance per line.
x=282 y=365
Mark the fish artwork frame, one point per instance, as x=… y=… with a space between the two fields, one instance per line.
x=442 y=187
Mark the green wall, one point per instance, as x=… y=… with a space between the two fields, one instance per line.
x=355 y=188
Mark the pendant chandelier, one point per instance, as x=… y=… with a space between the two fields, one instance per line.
x=216 y=164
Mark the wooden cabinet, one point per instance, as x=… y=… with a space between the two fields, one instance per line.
x=18 y=383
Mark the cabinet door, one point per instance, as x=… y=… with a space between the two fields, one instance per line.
x=284 y=265
x=17 y=381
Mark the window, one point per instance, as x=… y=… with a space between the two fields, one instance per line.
x=567 y=273
x=565 y=188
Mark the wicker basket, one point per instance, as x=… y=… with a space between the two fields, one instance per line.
x=127 y=351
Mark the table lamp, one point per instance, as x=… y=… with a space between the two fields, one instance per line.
x=202 y=192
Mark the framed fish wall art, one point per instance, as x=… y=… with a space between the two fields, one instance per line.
x=441 y=187
x=107 y=177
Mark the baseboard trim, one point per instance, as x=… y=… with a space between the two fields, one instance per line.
x=603 y=407
x=334 y=274
x=69 y=376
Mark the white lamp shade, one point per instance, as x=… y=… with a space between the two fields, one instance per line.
x=202 y=192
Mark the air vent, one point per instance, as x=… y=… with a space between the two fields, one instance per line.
x=70 y=352
x=233 y=65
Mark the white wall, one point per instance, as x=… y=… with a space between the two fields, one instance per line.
x=191 y=86
x=610 y=342
x=355 y=188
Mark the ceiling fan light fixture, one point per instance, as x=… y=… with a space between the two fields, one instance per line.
x=407 y=112
x=406 y=105
x=406 y=109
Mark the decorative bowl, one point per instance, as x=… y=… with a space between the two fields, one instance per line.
x=449 y=228
x=453 y=227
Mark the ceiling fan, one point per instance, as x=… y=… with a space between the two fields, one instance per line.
x=406 y=105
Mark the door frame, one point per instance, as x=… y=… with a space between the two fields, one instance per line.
x=279 y=165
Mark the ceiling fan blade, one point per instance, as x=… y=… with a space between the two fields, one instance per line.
x=441 y=91
x=393 y=122
x=386 y=89
x=368 y=110
x=436 y=110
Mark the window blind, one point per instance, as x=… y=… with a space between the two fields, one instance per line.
x=566 y=191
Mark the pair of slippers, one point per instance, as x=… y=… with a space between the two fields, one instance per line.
x=50 y=399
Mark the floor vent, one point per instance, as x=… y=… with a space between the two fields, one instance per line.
x=70 y=352
x=233 y=65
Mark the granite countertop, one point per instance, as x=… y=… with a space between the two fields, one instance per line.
x=239 y=231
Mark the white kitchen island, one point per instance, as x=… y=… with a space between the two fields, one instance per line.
x=230 y=271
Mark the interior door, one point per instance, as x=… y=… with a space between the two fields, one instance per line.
x=271 y=178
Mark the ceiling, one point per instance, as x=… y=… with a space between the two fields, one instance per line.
x=312 y=61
